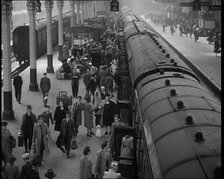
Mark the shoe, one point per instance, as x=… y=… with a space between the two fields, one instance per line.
x=60 y=147
x=109 y=133
x=92 y=133
x=26 y=151
x=106 y=133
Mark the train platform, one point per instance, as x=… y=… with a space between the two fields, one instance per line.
x=66 y=168
x=199 y=53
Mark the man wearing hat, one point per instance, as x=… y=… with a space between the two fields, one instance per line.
x=12 y=171
x=26 y=167
x=41 y=135
x=27 y=127
x=50 y=174
x=45 y=86
x=17 y=82
x=112 y=171
x=67 y=131
x=33 y=172
x=6 y=143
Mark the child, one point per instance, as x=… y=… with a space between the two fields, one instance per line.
x=47 y=115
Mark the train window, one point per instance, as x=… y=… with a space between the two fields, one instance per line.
x=15 y=39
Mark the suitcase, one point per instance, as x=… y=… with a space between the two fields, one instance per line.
x=20 y=140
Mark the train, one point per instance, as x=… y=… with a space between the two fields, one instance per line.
x=21 y=37
x=175 y=120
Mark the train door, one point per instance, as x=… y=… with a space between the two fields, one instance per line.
x=21 y=43
x=124 y=149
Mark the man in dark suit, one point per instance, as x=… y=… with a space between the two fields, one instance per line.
x=33 y=172
x=17 y=82
x=45 y=86
x=26 y=167
x=67 y=131
x=27 y=127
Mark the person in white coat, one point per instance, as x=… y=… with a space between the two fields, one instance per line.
x=112 y=171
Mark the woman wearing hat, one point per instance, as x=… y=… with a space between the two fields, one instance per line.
x=6 y=143
x=108 y=111
x=50 y=174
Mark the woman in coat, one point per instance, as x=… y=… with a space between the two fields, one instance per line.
x=126 y=148
x=59 y=115
x=88 y=116
x=108 y=111
x=85 y=169
x=97 y=103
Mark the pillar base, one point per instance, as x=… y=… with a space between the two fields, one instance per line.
x=50 y=68
x=8 y=113
x=33 y=86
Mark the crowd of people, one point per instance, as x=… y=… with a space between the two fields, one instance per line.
x=100 y=83
x=188 y=27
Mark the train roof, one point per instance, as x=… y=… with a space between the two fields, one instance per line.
x=42 y=23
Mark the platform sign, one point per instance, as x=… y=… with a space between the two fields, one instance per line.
x=114 y=5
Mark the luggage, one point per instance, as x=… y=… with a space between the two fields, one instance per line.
x=20 y=139
x=62 y=96
x=74 y=144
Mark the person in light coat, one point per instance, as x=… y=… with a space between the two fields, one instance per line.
x=102 y=162
x=41 y=135
x=88 y=116
x=85 y=169
x=112 y=171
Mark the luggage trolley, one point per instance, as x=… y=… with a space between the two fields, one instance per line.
x=62 y=96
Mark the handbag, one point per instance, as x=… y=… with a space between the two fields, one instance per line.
x=74 y=144
x=20 y=140
x=12 y=141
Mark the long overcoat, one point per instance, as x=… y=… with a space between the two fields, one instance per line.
x=64 y=133
x=6 y=145
x=59 y=115
x=27 y=126
x=77 y=112
x=102 y=163
x=37 y=137
x=85 y=169
x=88 y=115
x=45 y=84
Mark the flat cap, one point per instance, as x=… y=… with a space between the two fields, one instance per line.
x=26 y=156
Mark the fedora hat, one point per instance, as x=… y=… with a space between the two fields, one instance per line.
x=28 y=107
x=50 y=173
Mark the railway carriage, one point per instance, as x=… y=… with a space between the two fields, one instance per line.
x=21 y=37
x=177 y=120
